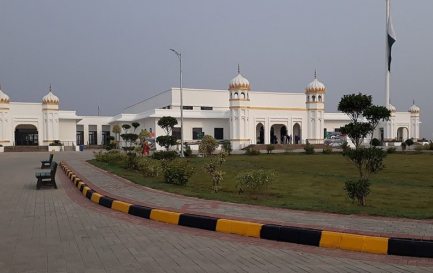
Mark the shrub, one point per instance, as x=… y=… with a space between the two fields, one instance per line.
x=403 y=146
x=409 y=142
x=176 y=171
x=131 y=161
x=357 y=190
x=113 y=156
x=227 y=146
x=391 y=150
x=56 y=143
x=166 y=141
x=327 y=150
x=251 y=151
x=208 y=145
x=169 y=155
x=345 y=146
x=213 y=168
x=270 y=148
x=309 y=148
x=149 y=167
x=375 y=142
x=254 y=180
x=430 y=145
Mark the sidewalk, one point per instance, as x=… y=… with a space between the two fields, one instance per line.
x=122 y=189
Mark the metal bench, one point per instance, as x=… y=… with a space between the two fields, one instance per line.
x=47 y=177
x=47 y=163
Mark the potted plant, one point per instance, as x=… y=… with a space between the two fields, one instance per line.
x=55 y=146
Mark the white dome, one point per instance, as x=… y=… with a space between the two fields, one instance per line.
x=50 y=98
x=239 y=83
x=3 y=97
x=414 y=109
x=315 y=86
x=392 y=108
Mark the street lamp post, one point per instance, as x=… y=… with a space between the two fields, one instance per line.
x=179 y=55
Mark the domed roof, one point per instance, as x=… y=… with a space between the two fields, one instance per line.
x=392 y=108
x=239 y=82
x=414 y=109
x=315 y=85
x=3 y=97
x=50 y=98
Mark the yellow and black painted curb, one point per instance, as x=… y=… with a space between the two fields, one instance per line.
x=304 y=236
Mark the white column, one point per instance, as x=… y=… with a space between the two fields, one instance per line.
x=99 y=134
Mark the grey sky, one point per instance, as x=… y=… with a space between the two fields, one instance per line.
x=113 y=53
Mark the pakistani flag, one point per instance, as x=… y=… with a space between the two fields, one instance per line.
x=391 y=39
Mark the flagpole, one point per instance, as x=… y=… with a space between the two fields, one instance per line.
x=388 y=74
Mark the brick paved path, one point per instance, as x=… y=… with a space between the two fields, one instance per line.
x=60 y=231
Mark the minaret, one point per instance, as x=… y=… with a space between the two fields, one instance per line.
x=315 y=103
x=50 y=113
x=239 y=88
x=414 y=111
x=5 y=123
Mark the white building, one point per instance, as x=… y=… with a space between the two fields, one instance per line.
x=240 y=115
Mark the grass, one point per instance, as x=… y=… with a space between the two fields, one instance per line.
x=313 y=182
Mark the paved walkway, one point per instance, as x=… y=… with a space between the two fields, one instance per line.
x=122 y=189
x=60 y=231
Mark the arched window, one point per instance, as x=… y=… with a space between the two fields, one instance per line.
x=314 y=98
x=236 y=95
x=231 y=95
x=320 y=98
x=308 y=98
x=243 y=95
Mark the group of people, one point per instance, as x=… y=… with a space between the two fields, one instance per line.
x=285 y=139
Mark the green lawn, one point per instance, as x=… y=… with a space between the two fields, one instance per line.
x=314 y=182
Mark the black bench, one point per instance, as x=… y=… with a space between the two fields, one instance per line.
x=47 y=163
x=47 y=177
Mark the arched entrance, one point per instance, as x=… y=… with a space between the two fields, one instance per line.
x=297 y=136
x=26 y=135
x=278 y=134
x=260 y=134
x=402 y=133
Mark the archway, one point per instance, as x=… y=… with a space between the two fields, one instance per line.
x=402 y=133
x=26 y=135
x=297 y=136
x=278 y=134
x=260 y=134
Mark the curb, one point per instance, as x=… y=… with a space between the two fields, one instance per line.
x=305 y=236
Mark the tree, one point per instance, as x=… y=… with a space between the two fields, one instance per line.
x=364 y=118
x=208 y=145
x=129 y=138
x=167 y=123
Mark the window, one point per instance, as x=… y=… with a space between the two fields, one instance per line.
x=206 y=108
x=197 y=133
x=176 y=133
x=218 y=133
x=188 y=108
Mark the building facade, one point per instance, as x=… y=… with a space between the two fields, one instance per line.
x=238 y=114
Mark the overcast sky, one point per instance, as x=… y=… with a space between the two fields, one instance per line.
x=113 y=53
